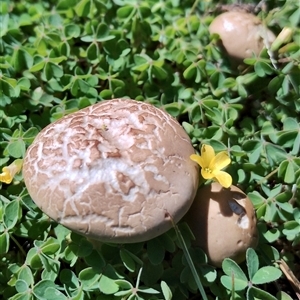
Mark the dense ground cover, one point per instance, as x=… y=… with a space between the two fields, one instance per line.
x=57 y=57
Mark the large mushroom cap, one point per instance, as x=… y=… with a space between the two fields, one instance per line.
x=223 y=222
x=242 y=34
x=113 y=171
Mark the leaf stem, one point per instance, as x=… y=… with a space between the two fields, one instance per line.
x=189 y=259
x=267 y=176
x=193 y=7
x=18 y=244
x=290 y=276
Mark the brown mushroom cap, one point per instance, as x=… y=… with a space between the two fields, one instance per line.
x=113 y=171
x=223 y=222
x=242 y=34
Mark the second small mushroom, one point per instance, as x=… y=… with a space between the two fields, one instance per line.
x=242 y=34
x=223 y=222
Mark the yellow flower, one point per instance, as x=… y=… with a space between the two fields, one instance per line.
x=212 y=164
x=9 y=172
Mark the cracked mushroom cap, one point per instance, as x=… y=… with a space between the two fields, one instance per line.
x=242 y=34
x=113 y=171
x=223 y=222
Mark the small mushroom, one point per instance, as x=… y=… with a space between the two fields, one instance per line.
x=223 y=222
x=113 y=171
x=242 y=34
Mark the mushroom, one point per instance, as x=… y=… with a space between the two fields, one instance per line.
x=223 y=222
x=114 y=171
x=242 y=34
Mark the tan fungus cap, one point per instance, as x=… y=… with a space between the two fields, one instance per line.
x=242 y=34
x=223 y=222
x=113 y=171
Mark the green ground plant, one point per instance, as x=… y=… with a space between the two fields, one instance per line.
x=58 y=56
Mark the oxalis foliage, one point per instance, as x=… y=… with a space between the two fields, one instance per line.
x=57 y=57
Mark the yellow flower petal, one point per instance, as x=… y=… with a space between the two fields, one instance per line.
x=220 y=161
x=211 y=165
x=10 y=171
x=5 y=177
x=223 y=178
x=207 y=174
x=207 y=154
x=198 y=159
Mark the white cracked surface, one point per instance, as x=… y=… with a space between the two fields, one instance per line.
x=244 y=222
x=113 y=170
